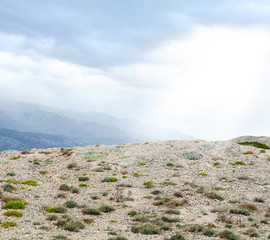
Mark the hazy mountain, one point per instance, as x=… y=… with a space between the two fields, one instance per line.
x=81 y=128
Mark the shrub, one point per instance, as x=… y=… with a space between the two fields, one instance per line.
x=74 y=190
x=203 y=174
x=14 y=205
x=26 y=151
x=60 y=237
x=255 y=144
x=248 y=152
x=52 y=217
x=9 y=188
x=106 y=208
x=118 y=238
x=71 y=228
x=91 y=211
x=9 y=224
x=56 y=210
x=110 y=179
x=83 y=179
x=240 y=211
x=260 y=200
x=30 y=182
x=177 y=236
x=141 y=163
x=11 y=174
x=213 y=195
x=132 y=213
x=72 y=165
x=156 y=192
x=12 y=181
x=148 y=184
x=238 y=163
x=43 y=172
x=13 y=214
x=64 y=187
x=192 y=157
x=170 y=220
x=71 y=204
x=145 y=229
x=249 y=206
x=15 y=158
x=82 y=185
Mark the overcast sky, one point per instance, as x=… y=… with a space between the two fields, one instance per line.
x=201 y=67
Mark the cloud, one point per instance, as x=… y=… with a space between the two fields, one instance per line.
x=114 y=33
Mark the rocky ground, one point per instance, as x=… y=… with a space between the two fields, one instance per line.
x=159 y=190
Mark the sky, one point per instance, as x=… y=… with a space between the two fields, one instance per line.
x=201 y=67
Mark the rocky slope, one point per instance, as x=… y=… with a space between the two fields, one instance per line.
x=158 y=190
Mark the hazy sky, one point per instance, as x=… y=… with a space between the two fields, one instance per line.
x=201 y=67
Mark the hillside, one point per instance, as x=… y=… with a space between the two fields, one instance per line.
x=151 y=191
x=73 y=128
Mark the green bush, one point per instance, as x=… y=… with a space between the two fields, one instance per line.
x=15 y=158
x=13 y=214
x=255 y=144
x=91 y=211
x=145 y=229
x=71 y=204
x=110 y=179
x=9 y=188
x=83 y=179
x=106 y=208
x=177 y=236
x=64 y=187
x=56 y=210
x=14 y=205
x=30 y=182
x=9 y=224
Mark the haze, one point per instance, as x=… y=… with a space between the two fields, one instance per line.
x=201 y=67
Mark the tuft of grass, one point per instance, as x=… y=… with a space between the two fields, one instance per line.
x=30 y=182
x=255 y=144
x=213 y=195
x=43 y=172
x=56 y=210
x=110 y=179
x=9 y=224
x=148 y=184
x=9 y=188
x=240 y=211
x=13 y=214
x=82 y=185
x=71 y=204
x=248 y=152
x=106 y=208
x=64 y=187
x=203 y=174
x=177 y=236
x=238 y=163
x=141 y=163
x=14 y=205
x=83 y=179
x=15 y=158
x=147 y=229
x=91 y=211
x=13 y=181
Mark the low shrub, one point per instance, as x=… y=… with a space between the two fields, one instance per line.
x=13 y=214
x=9 y=224
x=14 y=205
x=110 y=179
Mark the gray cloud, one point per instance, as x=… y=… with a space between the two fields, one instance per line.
x=109 y=33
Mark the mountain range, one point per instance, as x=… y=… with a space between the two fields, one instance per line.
x=28 y=125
